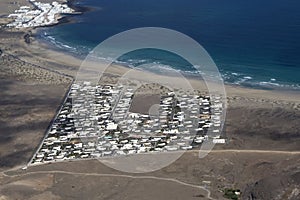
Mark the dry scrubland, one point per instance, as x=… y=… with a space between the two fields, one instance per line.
x=33 y=83
x=264 y=175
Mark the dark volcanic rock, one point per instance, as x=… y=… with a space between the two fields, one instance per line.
x=265 y=124
x=277 y=186
x=27 y=38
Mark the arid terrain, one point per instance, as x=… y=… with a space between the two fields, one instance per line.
x=261 y=157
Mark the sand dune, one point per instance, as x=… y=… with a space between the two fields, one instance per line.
x=34 y=80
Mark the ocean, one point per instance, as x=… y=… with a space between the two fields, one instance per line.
x=254 y=43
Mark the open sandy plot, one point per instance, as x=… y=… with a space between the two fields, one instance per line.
x=251 y=172
x=34 y=80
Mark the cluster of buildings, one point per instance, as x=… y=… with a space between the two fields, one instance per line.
x=95 y=121
x=42 y=14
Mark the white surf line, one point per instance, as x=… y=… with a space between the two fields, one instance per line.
x=118 y=175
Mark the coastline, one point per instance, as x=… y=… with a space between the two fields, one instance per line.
x=280 y=106
x=45 y=52
x=249 y=82
x=247 y=107
x=54 y=53
x=74 y=59
x=36 y=35
x=41 y=53
x=262 y=128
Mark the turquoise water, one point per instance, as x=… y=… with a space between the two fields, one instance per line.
x=254 y=43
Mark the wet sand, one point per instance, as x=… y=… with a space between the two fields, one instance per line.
x=268 y=115
x=35 y=78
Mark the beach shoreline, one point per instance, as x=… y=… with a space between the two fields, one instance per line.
x=39 y=53
x=254 y=116
x=261 y=128
x=46 y=53
x=69 y=58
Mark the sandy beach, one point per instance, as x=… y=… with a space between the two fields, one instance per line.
x=36 y=77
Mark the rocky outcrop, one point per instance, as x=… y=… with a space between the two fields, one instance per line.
x=277 y=186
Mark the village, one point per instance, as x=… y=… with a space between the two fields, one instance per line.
x=42 y=14
x=95 y=121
